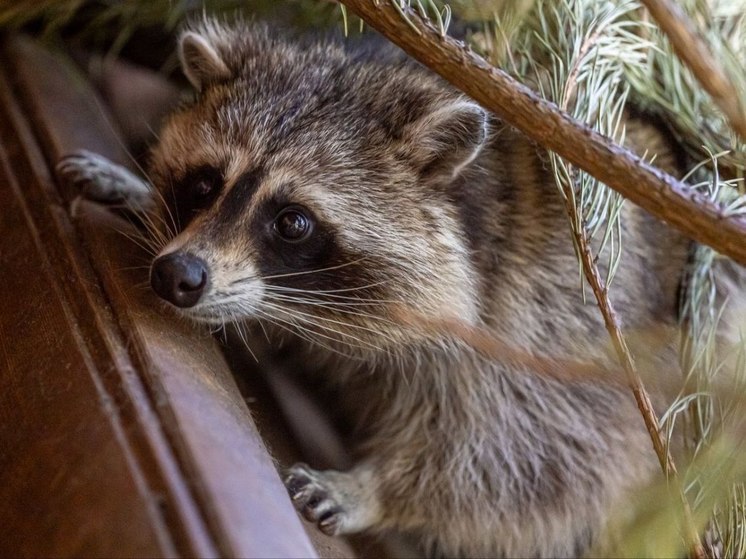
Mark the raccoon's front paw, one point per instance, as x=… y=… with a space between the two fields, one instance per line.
x=317 y=498
x=102 y=180
x=91 y=174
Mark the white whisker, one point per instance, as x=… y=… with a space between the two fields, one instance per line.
x=312 y=320
x=332 y=295
x=143 y=242
x=304 y=333
x=346 y=324
x=242 y=335
x=306 y=272
x=336 y=309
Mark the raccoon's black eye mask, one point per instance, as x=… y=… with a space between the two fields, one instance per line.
x=194 y=193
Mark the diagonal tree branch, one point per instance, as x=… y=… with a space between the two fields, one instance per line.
x=695 y=53
x=650 y=188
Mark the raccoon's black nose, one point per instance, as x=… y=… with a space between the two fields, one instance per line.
x=179 y=278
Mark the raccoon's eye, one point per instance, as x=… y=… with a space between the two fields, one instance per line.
x=293 y=224
x=203 y=189
x=201 y=186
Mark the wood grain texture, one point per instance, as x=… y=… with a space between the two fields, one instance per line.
x=52 y=457
x=70 y=482
x=123 y=432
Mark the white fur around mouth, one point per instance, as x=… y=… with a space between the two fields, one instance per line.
x=209 y=319
x=213 y=314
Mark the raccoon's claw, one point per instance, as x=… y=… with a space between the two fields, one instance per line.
x=90 y=174
x=102 y=180
x=314 y=496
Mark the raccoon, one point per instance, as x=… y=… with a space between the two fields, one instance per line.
x=323 y=190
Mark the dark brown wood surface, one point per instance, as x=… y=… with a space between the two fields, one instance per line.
x=122 y=432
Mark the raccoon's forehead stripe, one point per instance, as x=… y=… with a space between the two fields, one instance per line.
x=238 y=196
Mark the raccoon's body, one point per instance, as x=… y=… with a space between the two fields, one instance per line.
x=328 y=194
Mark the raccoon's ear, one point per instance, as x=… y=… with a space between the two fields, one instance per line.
x=446 y=139
x=201 y=60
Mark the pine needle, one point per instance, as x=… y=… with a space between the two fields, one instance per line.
x=666 y=86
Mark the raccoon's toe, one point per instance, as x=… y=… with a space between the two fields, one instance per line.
x=315 y=497
x=97 y=178
x=87 y=172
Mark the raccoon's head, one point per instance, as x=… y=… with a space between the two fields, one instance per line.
x=312 y=187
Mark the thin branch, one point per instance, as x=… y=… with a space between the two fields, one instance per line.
x=486 y=344
x=601 y=292
x=657 y=192
x=642 y=398
x=692 y=49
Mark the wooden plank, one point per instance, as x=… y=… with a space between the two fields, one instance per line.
x=67 y=482
x=188 y=421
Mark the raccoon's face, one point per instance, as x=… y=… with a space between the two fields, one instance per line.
x=312 y=190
